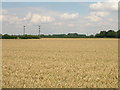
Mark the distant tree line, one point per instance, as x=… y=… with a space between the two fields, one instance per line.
x=102 y=34
x=108 y=34
x=69 y=35
x=6 y=36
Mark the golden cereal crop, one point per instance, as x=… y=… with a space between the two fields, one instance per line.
x=60 y=63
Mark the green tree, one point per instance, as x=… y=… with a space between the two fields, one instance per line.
x=111 y=34
x=118 y=33
x=103 y=34
x=6 y=36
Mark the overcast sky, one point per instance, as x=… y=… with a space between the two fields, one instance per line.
x=58 y=17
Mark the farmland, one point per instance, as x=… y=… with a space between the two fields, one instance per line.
x=60 y=63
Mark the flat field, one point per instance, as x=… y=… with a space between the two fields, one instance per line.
x=60 y=63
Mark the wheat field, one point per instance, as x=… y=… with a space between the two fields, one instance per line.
x=60 y=63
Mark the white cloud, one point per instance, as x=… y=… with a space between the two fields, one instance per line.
x=96 y=5
x=113 y=1
x=5 y=16
x=101 y=14
x=71 y=25
x=88 y=24
x=10 y=18
x=97 y=16
x=3 y=11
x=110 y=20
x=28 y=19
x=1 y=17
x=36 y=18
x=65 y=24
x=14 y=19
x=70 y=16
x=93 y=18
x=28 y=16
x=104 y=6
x=59 y=23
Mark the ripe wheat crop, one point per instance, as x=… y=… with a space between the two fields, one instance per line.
x=60 y=63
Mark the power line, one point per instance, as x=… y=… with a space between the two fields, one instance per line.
x=24 y=27
x=24 y=30
x=39 y=32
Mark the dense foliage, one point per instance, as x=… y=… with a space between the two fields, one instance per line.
x=109 y=34
x=102 y=34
